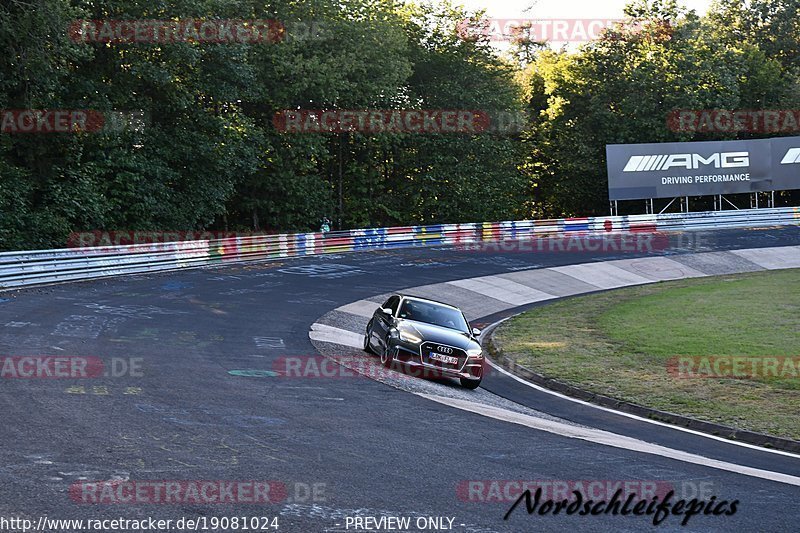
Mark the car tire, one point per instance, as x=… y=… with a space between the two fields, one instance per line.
x=367 y=337
x=387 y=359
x=470 y=384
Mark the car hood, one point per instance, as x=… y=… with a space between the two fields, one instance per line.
x=431 y=333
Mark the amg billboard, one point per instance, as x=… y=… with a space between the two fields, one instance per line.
x=666 y=170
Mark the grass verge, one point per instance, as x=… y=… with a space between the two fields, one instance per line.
x=620 y=343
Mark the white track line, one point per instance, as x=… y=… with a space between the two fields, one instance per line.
x=608 y=439
x=344 y=337
x=490 y=327
x=642 y=419
x=323 y=333
x=602 y=275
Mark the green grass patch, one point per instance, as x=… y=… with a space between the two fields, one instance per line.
x=619 y=343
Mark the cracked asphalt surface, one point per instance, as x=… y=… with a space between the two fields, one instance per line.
x=341 y=447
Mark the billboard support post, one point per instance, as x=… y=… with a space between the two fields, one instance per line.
x=669 y=204
x=755 y=202
x=721 y=197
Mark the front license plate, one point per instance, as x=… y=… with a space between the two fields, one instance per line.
x=448 y=359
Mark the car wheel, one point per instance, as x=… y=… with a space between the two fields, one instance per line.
x=387 y=359
x=470 y=383
x=367 y=337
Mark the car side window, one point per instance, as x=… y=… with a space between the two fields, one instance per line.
x=392 y=303
x=405 y=312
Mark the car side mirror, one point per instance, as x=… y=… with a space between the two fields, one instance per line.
x=476 y=332
x=386 y=311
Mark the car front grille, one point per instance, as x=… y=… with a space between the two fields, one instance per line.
x=427 y=347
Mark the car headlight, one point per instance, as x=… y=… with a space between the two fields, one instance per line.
x=407 y=336
x=475 y=352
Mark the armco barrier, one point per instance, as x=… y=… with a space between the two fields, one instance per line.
x=19 y=269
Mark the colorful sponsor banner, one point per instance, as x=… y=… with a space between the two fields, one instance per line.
x=644 y=223
x=608 y=224
x=399 y=236
x=548 y=225
x=491 y=231
x=365 y=239
x=433 y=234
x=576 y=224
x=574 y=242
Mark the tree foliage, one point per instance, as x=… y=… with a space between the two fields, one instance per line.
x=205 y=153
x=621 y=89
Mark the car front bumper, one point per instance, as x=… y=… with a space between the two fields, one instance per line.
x=410 y=356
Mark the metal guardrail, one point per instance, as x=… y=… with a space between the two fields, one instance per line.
x=19 y=269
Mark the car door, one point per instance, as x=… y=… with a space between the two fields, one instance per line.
x=381 y=322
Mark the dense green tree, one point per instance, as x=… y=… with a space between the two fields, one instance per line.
x=622 y=89
x=201 y=151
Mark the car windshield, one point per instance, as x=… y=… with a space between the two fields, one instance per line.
x=431 y=313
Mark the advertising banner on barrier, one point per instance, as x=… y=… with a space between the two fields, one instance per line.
x=667 y=170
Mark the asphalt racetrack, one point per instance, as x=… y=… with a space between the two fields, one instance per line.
x=192 y=395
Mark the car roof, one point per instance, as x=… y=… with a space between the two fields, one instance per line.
x=410 y=297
